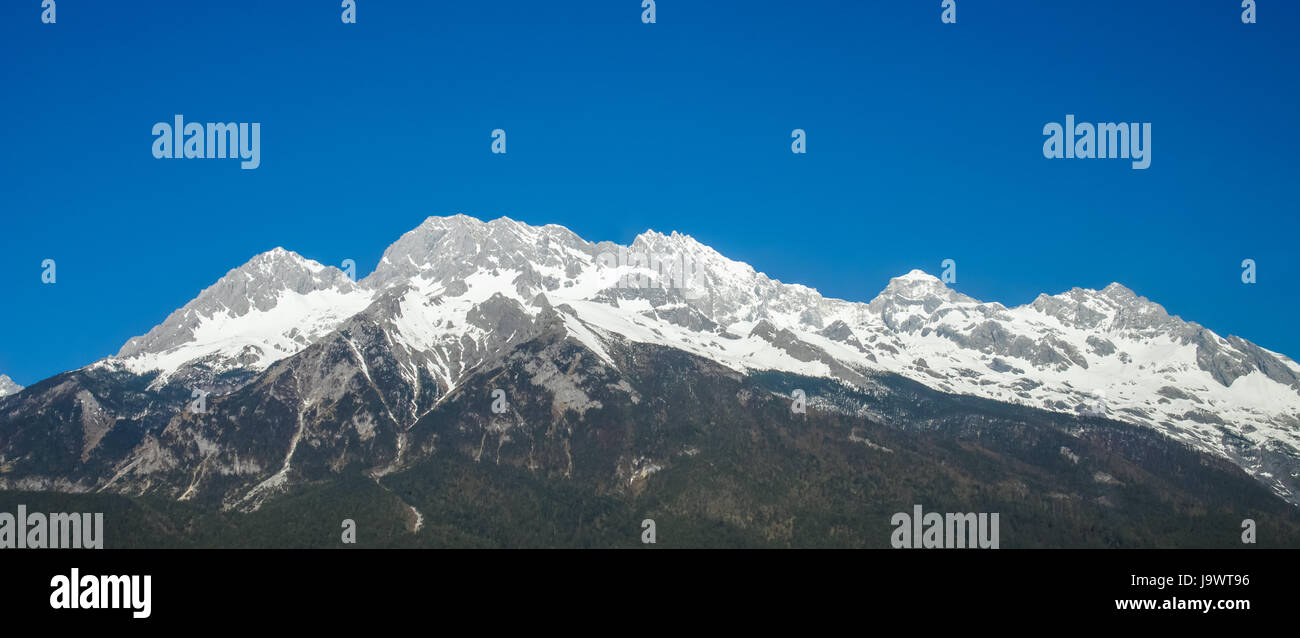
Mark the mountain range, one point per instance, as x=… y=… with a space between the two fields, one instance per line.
x=617 y=372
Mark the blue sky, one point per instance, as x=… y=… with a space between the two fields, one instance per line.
x=924 y=144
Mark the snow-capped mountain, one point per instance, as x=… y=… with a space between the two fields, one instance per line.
x=7 y=385
x=271 y=307
x=455 y=292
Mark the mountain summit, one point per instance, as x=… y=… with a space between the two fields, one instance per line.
x=271 y=307
x=7 y=385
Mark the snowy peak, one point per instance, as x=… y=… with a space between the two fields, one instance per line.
x=447 y=249
x=707 y=268
x=915 y=276
x=918 y=285
x=266 y=275
x=917 y=301
x=7 y=386
x=676 y=243
x=273 y=306
x=1114 y=308
x=258 y=286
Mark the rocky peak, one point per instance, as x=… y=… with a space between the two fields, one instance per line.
x=258 y=285
x=916 y=293
x=1113 y=308
x=444 y=249
x=7 y=386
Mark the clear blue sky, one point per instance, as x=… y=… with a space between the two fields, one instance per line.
x=925 y=143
